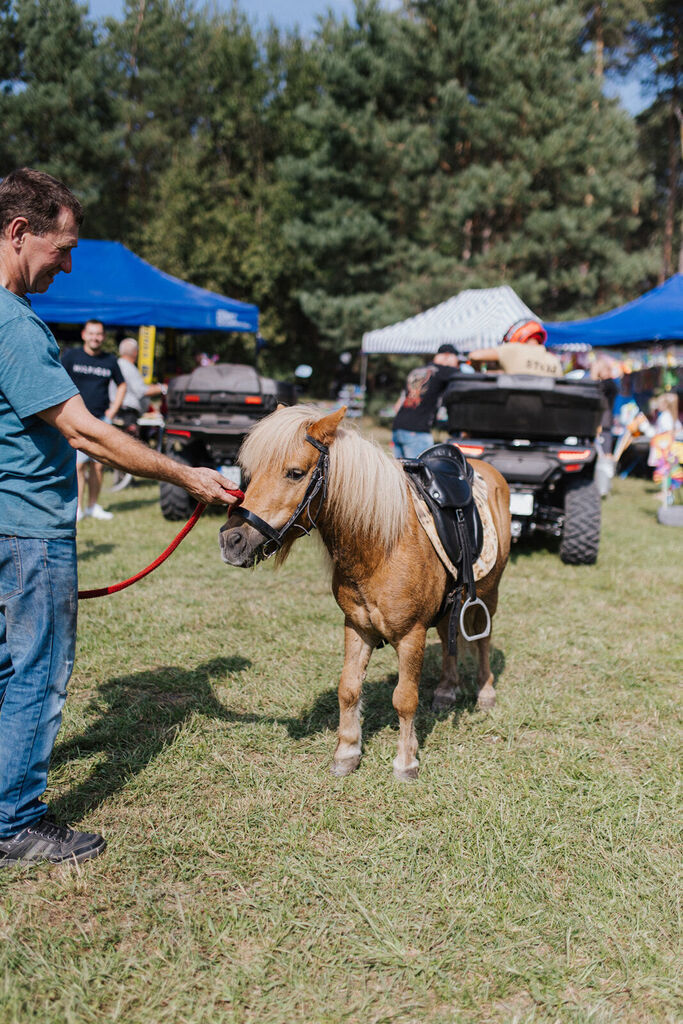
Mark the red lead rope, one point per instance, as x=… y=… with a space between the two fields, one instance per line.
x=198 y=512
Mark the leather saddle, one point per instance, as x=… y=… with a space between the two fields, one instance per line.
x=443 y=478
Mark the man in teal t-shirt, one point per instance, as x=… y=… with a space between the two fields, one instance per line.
x=43 y=420
x=38 y=478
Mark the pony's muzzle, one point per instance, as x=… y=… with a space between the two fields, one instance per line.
x=239 y=545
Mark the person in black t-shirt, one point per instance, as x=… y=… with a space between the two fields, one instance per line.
x=91 y=370
x=417 y=407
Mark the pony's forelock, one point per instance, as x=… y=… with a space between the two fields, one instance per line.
x=275 y=440
x=366 y=487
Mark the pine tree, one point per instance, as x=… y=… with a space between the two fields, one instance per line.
x=659 y=41
x=361 y=176
x=543 y=182
x=9 y=78
x=57 y=115
x=606 y=31
x=156 y=56
x=463 y=146
x=219 y=205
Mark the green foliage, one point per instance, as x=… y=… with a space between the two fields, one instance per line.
x=56 y=109
x=471 y=166
x=356 y=178
x=156 y=66
x=220 y=206
x=658 y=42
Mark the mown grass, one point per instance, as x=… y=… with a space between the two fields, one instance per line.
x=531 y=874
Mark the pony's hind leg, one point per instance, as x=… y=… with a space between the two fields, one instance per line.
x=410 y=652
x=356 y=657
x=449 y=690
x=486 y=695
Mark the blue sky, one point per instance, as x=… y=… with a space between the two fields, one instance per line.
x=288 y=13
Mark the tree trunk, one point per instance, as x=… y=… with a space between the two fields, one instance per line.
x=671 y=200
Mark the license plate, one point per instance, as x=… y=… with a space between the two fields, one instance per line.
x=521 y=504
x=233 y=473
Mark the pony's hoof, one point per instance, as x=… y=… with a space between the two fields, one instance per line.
x=442 y=702
x=406 y=774
x=344 y=767
x=486 y=701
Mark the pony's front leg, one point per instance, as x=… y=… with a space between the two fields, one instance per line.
x=357 y=653
x=410 y=652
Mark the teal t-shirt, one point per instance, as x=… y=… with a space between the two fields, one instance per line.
x=38 y=491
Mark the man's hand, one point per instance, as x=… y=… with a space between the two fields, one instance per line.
x=209 y=487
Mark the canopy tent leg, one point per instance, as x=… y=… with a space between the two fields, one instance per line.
x=363 y=370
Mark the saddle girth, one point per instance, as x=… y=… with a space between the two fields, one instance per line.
x=443 y=479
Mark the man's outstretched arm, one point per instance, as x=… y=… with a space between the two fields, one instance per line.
x=114 y=448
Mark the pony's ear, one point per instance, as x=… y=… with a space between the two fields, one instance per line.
x=324 y=430
x=280 y=405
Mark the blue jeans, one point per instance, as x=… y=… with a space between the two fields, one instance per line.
x=409 y=444
x=38 y=611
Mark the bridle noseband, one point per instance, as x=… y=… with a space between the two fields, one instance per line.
x=275 y=538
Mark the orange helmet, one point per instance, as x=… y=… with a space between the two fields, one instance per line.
x=524 y=330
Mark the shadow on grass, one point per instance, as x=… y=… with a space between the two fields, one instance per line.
x=131 y=504
x=378 y=710
x=92 y=550
x=140 y=714
x=534 y=546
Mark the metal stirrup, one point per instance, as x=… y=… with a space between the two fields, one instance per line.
x=469 y=603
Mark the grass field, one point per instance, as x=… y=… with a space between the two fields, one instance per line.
x=531 y=874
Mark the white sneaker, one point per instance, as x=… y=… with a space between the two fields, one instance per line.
x=97 y=512
x=80 y=514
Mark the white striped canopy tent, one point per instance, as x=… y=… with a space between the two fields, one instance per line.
x=476 y=318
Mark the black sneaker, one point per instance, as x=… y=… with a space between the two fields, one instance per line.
x=47 y=841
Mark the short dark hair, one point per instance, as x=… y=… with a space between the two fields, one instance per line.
x=37 y=196
x=92 y=320
x=451 y=349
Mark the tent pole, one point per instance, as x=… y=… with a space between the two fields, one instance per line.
x=363 y=369
x=146 y=344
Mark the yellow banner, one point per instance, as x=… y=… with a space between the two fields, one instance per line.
x=146 y=339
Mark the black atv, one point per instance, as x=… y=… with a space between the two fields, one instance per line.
x=209 y=412
x=539 y=432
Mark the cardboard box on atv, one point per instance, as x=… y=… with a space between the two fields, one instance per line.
x=539 y=432
x=209 y=413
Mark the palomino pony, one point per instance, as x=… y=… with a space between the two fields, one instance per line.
x=305 y=470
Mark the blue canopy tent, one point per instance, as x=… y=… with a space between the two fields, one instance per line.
x=112 y=284
x=656 y=316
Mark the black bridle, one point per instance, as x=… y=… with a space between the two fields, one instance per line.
x=274 y=539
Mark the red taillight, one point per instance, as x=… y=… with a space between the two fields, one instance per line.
x=574 y=455
x=192 y=398
x=179 y=433
x=573 y=467
x=252 y=400
x=471 y=451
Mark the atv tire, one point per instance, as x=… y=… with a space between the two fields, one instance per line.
x=581 y=531
x=176 y=504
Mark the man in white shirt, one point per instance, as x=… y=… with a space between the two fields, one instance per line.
x=136 y=389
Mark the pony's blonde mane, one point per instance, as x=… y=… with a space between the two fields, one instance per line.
x=366 y=489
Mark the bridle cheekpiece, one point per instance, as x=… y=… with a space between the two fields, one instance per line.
x=274 y=539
